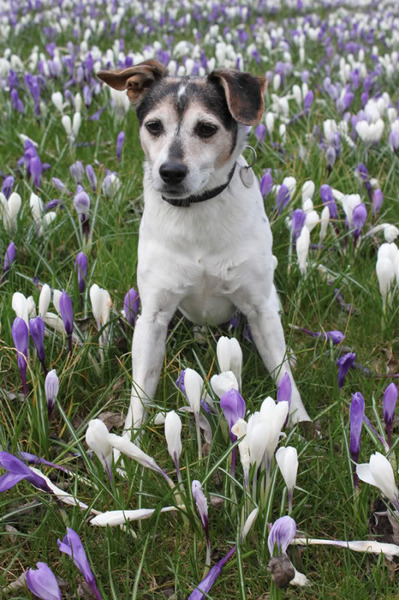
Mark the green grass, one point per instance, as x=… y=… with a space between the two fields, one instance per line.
x=167 y=558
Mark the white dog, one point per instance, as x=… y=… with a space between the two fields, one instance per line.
x=205 y=244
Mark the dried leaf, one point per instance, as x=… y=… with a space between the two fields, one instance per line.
x=112 y=419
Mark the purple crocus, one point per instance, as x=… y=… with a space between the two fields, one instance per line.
x=308 y=101
x=9 y=258
x=345 y=363
x=91 y=176
x=81 y=203
x=20 y=335
x=334 y=336
x=81 y=267
x=131 y=305
x=328 y=200
x=66 y=311
x=77 y=171
x=377 y=201
x=284 y=389
x=6 y=187
x=297 y=222
x=388 y=407
x=32 y=459
x=260 y=133
x=281 y=535
x=42 y=582
x=51 y=386
x=61 y=187
x=17 y=471
x=208 y=581
x=359 y=217
x=202 y=506
x=266 y=184
x=233 y=407
x=356 y=421
x=282 y=198
x=119 y=144
x=72 y=545
x=36 y=328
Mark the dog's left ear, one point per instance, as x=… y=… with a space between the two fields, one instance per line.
x=136 y=80
x=244 y=94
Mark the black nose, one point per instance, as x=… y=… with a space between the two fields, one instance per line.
x=173 y=172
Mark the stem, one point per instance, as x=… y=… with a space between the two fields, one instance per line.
x=290 y=499
x=197 y=426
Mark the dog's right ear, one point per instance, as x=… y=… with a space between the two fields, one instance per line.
x=136 y=80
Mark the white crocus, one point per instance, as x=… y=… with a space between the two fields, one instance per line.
x=274 y=414
x=378 y=472
x=76 y=123
x=248 y=524
x=257 y=438
x=173 y=438
x=349 y=203
x=287 y=460
x=193 y=385
x=223 y=383
x=97 y=439
x=67 y=125
x=20 y=306
x=101 y=304
x=308 y=190
x=63 y=495
x=125 y=446
x=239 y=429
x=324 y=220
x=302 y=249
x=229 y=354
x=114 y=518
x=10 y=209
x=40 y=219
x=312 y=219
x=387 y=268
x=44 y=300
x=58 y=100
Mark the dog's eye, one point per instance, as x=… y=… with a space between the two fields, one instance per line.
x=154 y=127
x=205 y=130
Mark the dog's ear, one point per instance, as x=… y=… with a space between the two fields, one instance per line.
x=244 y=94
x=136 y=80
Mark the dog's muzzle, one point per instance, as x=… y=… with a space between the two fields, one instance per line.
x=207 y=195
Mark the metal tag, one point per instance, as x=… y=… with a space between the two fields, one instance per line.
x=247 y=176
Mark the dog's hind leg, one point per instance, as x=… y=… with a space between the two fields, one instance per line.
x=267 y=332
x=148 y=350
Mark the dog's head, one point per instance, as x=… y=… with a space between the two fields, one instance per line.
x=191 y=129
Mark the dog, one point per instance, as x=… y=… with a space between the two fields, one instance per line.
x=205 y=244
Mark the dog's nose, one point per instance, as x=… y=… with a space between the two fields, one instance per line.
x=172 y=172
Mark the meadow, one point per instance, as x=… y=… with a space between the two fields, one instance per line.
x=70 y=208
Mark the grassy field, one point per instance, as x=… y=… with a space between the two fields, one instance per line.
x=340 y=52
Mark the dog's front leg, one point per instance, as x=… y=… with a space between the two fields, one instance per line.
x=148 y=350
x=267 y=332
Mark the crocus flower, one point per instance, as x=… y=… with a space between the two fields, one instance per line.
x=233 y=407
x=81 y=267
x=377 y=201
x=114 y=518
x=91 y=176
x=81 y=203
x=229 y=354
x=356 y=421
x=51 y=387
x=208 y=581
x=173 y=438
x=17 y=471
x=359 y=216
x=308 y=100
x=223 y=383
x=20 y=335
x=10 y=209
x=284 y=389
x=110 y=185
x=131 y=305
x=287 y=460
x=72 y=545
x=327 y=198
x=240 y=431
x=77 y=171
x=119 y=144
x=302 y=249
x=281 y=535
x=36 y=328
x=44 y=299
x=378 y=472
x=6 y=187
x=193 y=385
x=282 y=198
x=344 y=364
x=297 y=222
x=42 y=582
x=66 y=311
x=334 y=336
x=388 y=407
x=202 y=506
x=266 y=184
x=9 y=258
x=97 y=440
x=260 y=133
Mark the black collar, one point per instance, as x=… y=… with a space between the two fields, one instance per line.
x=208 y=195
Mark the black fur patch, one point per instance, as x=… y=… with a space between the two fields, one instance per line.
x=175 y=150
